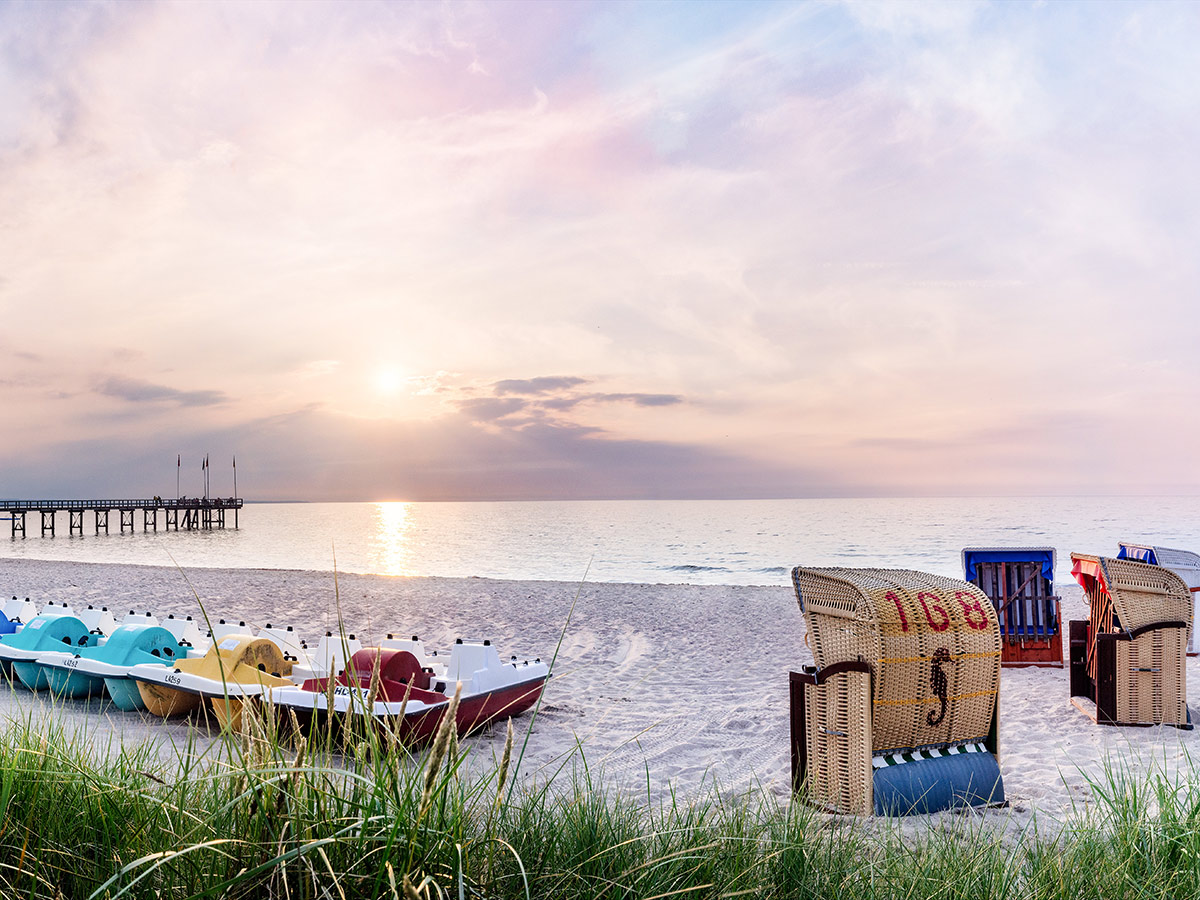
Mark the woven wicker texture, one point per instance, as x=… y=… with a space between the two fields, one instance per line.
x=1154 y=688
x=838 y=723
x=933 y=644
x=1143 y=594
x=1151 y=677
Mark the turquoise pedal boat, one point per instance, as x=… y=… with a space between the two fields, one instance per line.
x=45 y=633
x=91 y=670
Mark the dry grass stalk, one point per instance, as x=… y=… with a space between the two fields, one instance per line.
x=373 y=691
x=441 y=744
x=505 y=759
x=410 y=892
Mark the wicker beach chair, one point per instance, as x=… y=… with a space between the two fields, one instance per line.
x=1183 y=563
x=898 y=715
x=1128 y=662
x=1020 y=583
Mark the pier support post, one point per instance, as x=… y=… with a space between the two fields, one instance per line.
x=172 y=519
x=150 y=517
x=48 y=521
x=126 y=519
x=76 y=521
x=101 y=520
x=18 y=523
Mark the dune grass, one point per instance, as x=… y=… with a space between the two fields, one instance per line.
x=334 y=814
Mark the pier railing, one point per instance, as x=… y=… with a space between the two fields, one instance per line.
x=152 y=503
x=181 y=512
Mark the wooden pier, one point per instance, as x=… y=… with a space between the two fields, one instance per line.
x=189 y=513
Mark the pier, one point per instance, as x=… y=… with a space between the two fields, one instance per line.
x=189 y=513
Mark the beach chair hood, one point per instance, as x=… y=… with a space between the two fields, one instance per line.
x=1141 y=594
x=932 y=644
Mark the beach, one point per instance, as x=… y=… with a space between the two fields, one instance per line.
x=663 y=688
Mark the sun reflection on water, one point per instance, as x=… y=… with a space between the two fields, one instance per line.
x=390 y=544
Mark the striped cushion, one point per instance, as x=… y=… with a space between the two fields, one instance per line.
x=899 y=757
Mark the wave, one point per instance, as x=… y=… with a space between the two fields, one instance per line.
x=696 y=569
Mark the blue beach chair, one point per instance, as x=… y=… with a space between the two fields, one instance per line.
x=1020 y=583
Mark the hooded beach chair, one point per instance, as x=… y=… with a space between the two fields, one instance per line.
x=1020 y=583
x=1128 y=662
x=899 y=714
x=1183 y=563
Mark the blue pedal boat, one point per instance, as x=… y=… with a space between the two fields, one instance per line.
x=17 y=613
x=19 y=652
x=91 y=670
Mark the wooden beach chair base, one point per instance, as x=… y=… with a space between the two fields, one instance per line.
x=1019 y=654
x=1088 y=708
x=1129 y=687
x=833 y=765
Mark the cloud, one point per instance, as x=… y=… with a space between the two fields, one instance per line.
x=545 y=400
x=489 y=409
x=542 y=385
x=638 y=399
x=137 y=391
x=336 y=457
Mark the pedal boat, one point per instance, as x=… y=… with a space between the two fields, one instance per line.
x=329 y=657
x=235 y=667
x=92 y=670
x=413 y=698
x=59 y=680
x=19 y=651
x=16 y=614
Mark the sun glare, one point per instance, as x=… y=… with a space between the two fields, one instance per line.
x=388 y=379
x=389 y=544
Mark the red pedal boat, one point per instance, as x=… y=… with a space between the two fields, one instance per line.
x=415 y=695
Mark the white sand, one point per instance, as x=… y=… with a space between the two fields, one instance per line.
x=671 y=686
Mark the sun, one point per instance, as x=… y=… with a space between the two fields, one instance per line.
x=388 y=379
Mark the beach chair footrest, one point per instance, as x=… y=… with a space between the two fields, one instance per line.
x=942 y=782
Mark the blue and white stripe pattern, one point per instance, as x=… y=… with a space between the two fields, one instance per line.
x=900 y=757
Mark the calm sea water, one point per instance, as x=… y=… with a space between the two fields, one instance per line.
x=673 y=541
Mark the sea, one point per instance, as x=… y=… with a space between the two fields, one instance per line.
x=743 y=542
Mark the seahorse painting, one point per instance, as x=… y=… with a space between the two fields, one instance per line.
x=939 y=684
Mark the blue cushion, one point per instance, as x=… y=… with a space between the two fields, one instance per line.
x=945 y=782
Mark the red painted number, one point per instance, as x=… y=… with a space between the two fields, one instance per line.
x=978 y=624
x=944 y=622
x=891 y=595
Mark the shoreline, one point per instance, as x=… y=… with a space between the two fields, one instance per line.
x=340 y=573
x=665 y=688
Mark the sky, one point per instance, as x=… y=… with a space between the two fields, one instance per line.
x=480 y=251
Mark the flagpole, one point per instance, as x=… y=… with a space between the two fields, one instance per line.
x=235 y=478
x=178 y=463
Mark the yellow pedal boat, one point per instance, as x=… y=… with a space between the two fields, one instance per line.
x=236 y=668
